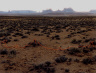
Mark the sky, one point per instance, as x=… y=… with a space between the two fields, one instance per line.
x=39 y=5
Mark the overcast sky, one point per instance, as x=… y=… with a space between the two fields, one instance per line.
x=39 y=5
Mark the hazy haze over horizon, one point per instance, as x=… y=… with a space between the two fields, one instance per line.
x=39 y=5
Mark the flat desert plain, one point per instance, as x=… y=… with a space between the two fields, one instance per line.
x=42 y=44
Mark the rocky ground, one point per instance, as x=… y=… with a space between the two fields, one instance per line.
x=48 y=44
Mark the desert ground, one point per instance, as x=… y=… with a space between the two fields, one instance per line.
x=42 y=44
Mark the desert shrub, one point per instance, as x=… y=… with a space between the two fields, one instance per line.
x=37 y=67
x=57 y=27
x=76 y=60
x=14 y=35
x=1 y=34
x=58 y=31
x=24 y=37
x=74 y=51
x=13 y=52
x=41 y=66
x=52 y=37
x=4 y=34
x=88 y=49
x=94 y=43
x=87 y=40
x=48 y=63
x=74 y=41
x=85 y=50
x=20 y=34
x=66 y=70
x=3 y=52
x=94 y=58
x=49 y=69
x=47 y=36
x=70 y=59
x=35 y=29
x=45 y=67
x=91 y=48
x=69 y=36
x=38 y=34
x=15 y=39
x=84 y=37
x=61 y=59
x=87 y=61
x=27 y=32
x=33 y=44
x=7 y=40
x=56 y=37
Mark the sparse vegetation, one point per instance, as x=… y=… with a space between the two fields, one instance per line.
x=73 y=51
x=54 y=32
x=3 y=52
x=61 y=59
x=13 y=52
x=43 y=67
x=74 y=41
x=87 y=61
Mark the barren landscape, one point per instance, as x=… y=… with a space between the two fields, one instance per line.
x=42 y=44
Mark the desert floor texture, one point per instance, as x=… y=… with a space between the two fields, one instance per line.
x=40 y=44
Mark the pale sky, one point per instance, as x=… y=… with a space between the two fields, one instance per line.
x=39 y=5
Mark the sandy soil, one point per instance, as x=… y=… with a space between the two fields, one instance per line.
x=54 y=44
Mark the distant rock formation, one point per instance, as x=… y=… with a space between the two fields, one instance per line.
x=2 y=12
x=66 y=10
x=47 y=11
x=69 y=10
x=22 y=11
x=92 y=11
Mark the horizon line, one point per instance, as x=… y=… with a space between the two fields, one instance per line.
x=44 y=9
